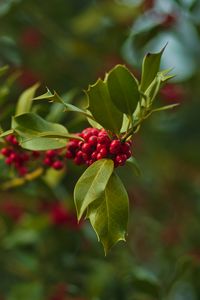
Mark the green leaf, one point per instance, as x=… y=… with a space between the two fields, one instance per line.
x=109 y=213
x=102 y=107
x=123 y=89
x=35 y=130
x=93 y=123
x=56 y=98
x=92 y=184
x=30 y=124
x=41 y=144
x=150 y=68
x=133 y=164
x=25 y=100
x=3 y=70
x=146 y=282
x=154 y=87
x=165 y=107
x=7 y=132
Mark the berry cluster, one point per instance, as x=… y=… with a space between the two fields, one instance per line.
x=23 y=161
x=13 y=156
x=97 y=145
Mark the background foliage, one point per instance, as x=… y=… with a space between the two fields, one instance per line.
x=66 y=45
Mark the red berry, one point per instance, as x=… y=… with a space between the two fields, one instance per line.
x=78 y=161
x=80 y=144
x=94 y=131
x=57 y=165
x=86 y=130
x=35 y=154
x=92 y=140
x=87 y=148
x=121 y=159
x=128 y=154
x=22 y=171
x=13 y=157
x=69 y=154
x=99 y=156
x=99 y=147
x=47 y=161
x=103 y=152
x=5 y=152
x=102 y=132
x=24 y=156
x=103 y=139
x=94 y=155
x=8 y=161
x=51 y=153
x=87 y=135
x=72 y=145
x=89 y=162
x=115 y=147
x=125 y=147
x=12 y=139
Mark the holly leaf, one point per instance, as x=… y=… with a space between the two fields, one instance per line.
x=57 y=99
x=41 y=144
x=91 y=185
x=25 y=100
x=150 y=68
x=123 y=89
x=109 y=213
x=102 y=108
x=34 y=132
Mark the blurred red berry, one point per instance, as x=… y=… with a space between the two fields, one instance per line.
x=31 y=38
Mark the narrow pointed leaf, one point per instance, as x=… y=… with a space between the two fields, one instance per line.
x=165 y=107
x=91 y=185
x=102 y=108
x=123 y=89
x=150 y=68
x=25 y=100
x=109 y=213
x=56 y=98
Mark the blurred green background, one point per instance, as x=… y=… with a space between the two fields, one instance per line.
x=63 y=44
